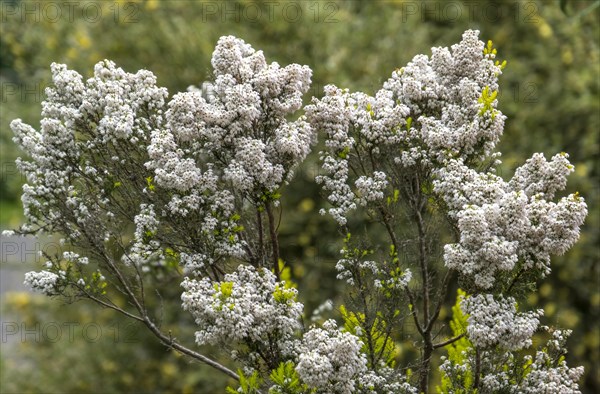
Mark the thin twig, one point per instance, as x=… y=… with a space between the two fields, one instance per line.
x=448 y=342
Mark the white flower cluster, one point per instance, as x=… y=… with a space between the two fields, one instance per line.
x=354 y=122
x=145 y=250
x=348 y=264
x=451 y=96
x=543 y=377
x=385 y=381
x=66 y=190
x=195 y=195
x=241 y=125
x=75 y=258
x=558 y=380
x=494 y=321
x=249 y=306
x=502 y=223
x=545 y=372
x=44 y=281
x=540 y=177
x=397 y=279
x=234 y=140
x=330 y=360
x=431 y=109
x=194 y=263
x=369 y=189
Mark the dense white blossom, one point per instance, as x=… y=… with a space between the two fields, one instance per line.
x=370 y=189
x=66 y=188
x=248 y=305
x=500 y=223
x=427 y=111
x=494 y=321
x=385 y=381
x=241 y=124
x=44 y=281
x=538 y=176
x=231 y=139
x=544 y=372
x=145 y=250
x=544 y=377
x=330 y=360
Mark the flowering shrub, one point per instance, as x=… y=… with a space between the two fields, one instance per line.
x=198 y=179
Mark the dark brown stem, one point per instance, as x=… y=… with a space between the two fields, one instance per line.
x=441 y=297
x=413 y=312
x=390 y=230
x=418 y=204
x=167 y=340
x=477 y=369
x=261 y=249
x=252 y=258
x=514 y=281
x=274 y=240
x=113 y=306
x=426 y=363
x=423 y=265
x=428 y=343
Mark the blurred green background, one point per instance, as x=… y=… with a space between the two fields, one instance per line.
x=549 y=91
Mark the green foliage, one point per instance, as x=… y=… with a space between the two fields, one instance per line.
x=371 y=334
x=349 y=252
x=343 y=154
x=487 y=100
x=462 y=381
x=491 y=51
x=269 y=196
x=97 y=284
x=248 y=384
x=150 y=183
x=286 y=380
x=283 y=295
x=223 y=290
x=394 y=197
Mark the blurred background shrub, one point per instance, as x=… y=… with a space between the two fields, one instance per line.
x=549 y=91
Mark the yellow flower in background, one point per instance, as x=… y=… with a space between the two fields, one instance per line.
x=151 y=5
x=18 y=299
x=72 y=53
x=83 y=40
x=543 y=28
x=567 y=56
x=168 y=370
x=51 y=42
